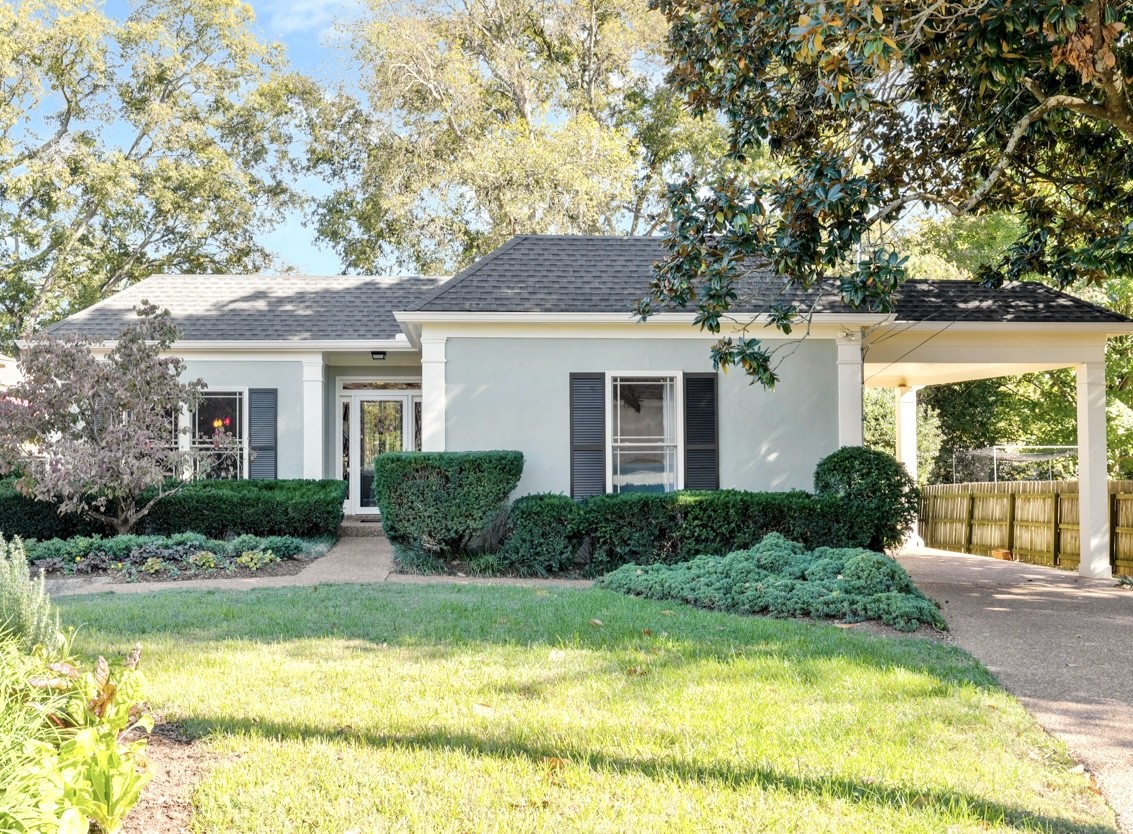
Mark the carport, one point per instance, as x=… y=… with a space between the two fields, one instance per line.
x=944 y=332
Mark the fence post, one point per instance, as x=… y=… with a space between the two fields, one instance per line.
x=968 y=523
x=1056 y=506
x=1011 y=521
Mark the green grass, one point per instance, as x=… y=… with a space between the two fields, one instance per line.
x=474 y=709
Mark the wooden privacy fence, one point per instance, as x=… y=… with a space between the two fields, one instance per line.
x=1037 y=521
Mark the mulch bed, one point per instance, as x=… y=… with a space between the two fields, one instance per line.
x=285 y=567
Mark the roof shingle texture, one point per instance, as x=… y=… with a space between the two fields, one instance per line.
x=585 y=274
x=261 y=307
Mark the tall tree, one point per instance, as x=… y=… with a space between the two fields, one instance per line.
x=488 y=118
x=879 y=108
x=162 y=143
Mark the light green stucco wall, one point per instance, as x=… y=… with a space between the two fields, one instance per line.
x=514 y=394
x=285 y=376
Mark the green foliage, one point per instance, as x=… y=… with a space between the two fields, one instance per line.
x=64 y=761
x=541 y=536
x=781 y=578
x=256 y=559
x=873 y=487
x=433 y=503
x=553 y=533
x=158 y=144
x=27 y=616
x=482 y=122
x=189 y=553
x=27 y=518
x=306 y=509
x=877 y=111
x=880 y=428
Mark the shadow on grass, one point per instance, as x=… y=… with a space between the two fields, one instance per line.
x=436 y=621
x=862 y=793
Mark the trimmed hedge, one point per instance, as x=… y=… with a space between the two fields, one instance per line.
x=782 y=578
x=552 y=533
x=30 y=519
x=873 y=487
x=307 y=509
x=433 y=503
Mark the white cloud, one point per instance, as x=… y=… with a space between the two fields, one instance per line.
x=292 y=18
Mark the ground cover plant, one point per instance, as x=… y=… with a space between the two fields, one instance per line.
x=782 y=578
x=185 y=555
x=451 y=708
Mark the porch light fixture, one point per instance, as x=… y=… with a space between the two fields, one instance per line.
x=377 y=355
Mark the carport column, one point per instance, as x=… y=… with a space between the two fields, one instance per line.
x=313 y=418
x=907 y=428
x=1093 y=479
x=433 y=394
x=850 y=388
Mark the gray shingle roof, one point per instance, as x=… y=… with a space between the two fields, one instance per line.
x=261 y=307
x=588 y=274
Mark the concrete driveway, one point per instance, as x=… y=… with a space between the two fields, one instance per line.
x=1062 y=643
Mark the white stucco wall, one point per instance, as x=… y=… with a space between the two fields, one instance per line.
x=285 y=376
x=513 y=393
x=9 y=371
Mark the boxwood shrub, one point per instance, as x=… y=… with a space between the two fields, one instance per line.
x=552 y=533
x=216 y=509
x=433 y=503
x=541 y=537
x=302 y=508
x=30 y=519
x=874 y=488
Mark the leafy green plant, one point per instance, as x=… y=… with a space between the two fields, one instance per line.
x=875 y=488
x=204 y=560
x=782 y=578
x=256 y=559
x=26 y=612
x=65 y=757
x=542 y=536
x=154 y=565
x=433 y=503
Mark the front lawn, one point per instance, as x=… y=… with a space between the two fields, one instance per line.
x=475 y=709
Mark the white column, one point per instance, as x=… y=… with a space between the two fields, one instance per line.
x=313 y=437
x=1093 y=478
x=850 y=389
x=907 y=428
x=433 y=394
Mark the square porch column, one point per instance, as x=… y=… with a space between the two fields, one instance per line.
x=1093 y=478
x=850 y=388
x=313 y=419
x=907 y=429
x=434 y=394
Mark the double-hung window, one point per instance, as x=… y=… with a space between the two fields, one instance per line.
x=644 y=433
x=218 y=431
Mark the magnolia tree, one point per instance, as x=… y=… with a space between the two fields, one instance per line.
x=100 y=437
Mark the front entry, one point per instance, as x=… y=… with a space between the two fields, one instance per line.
x=374 y=422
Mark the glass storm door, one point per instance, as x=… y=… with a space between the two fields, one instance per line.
x=372 y=424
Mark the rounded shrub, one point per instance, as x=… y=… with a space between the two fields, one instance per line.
x=540 y=535
x=873 y=486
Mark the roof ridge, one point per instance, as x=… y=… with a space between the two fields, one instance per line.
x=471 y=269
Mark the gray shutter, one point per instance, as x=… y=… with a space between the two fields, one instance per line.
x=702 y=448
x=587 y=435
x=262 y=434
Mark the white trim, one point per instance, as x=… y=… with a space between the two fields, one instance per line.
x=1093 y=489
x=400 y=345
x=679 y=416
x=850 y=389
x=245 y=415
x=313 y=383
x=434 y=394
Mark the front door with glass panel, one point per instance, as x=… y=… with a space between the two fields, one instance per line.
x=373 y=423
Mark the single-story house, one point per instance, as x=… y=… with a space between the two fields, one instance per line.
x=9 y=371
x=533 y=347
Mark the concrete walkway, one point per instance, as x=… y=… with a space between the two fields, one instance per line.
x=1061 y=643
x=354 y=560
